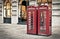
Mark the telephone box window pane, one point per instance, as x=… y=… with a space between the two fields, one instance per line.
x=42 y=22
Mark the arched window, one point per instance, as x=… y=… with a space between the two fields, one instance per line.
x=7 y=8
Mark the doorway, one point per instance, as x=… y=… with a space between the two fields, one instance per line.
x=22 y=15
x=7 y=11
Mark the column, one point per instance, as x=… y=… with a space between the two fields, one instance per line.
x=14 y=19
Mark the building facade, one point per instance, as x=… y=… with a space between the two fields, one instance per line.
x=10 y=11
x=14 y=11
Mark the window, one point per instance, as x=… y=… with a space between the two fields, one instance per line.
x=7 y=9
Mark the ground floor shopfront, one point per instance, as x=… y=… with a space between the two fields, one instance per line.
x=12 y=11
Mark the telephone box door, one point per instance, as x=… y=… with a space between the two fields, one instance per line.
x=44 y=21
x=31 y=20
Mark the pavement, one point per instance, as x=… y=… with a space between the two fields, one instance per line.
x=14 y=31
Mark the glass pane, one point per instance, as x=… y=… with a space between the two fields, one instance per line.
x=8 y=6
x=4 y=13
x=38 y=0
x=32 y=0
x=8 y=13
x=49 y=0
x=7 y=9
x=43 y=21
x=19 y=11
x=24 y=12
x=44 y=1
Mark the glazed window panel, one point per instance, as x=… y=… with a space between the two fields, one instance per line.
x=49 y=0
x=32 y=0
x=24 y=12
x=8 y=13
x=44 y=1
x=7 y=9
x=8 y=6
x=4 y=12
x=39 y=1
x=19 y=11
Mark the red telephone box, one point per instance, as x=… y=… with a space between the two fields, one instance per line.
x=31 y=20
x=44 y=20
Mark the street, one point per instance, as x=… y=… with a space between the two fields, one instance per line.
x=14 y=31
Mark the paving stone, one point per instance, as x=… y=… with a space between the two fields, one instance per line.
x=11 y=31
